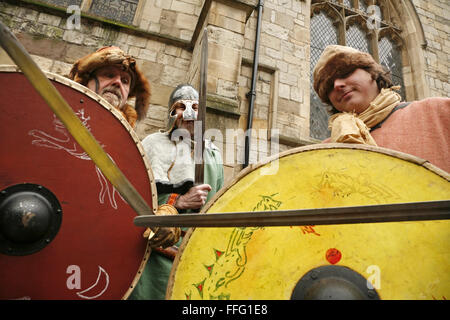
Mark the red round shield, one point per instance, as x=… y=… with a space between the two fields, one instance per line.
x=83 y=244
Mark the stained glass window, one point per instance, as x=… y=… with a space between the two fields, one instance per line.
x=348 y=3
x=390 y=57
x=323 y=33
x=363 y=6
x=357 y=38
x=63 y=3
x=118 y=10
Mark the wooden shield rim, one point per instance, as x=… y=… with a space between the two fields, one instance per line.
x=105 y=104
x=320 y=146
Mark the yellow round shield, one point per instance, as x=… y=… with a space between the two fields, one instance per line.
x=395 y=260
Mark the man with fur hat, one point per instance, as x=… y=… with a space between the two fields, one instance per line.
x=171 y=156
x=115 y=76
x=366 y=109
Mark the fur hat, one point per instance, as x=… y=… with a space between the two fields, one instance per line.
x=338 y=62
x=83 y=69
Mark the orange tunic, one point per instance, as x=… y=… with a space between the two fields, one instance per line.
x=421 y=129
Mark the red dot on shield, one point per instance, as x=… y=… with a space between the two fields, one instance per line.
x=333 y=255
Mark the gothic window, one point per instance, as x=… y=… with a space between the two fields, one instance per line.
x=64 y=3
x=357 y=38
x=348 y=3
x=118 y=10
x=390 y=57
x=363 y=6
x=122 y=11
x=361 y=24
x=323 y=33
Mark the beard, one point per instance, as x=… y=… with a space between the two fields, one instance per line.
x=187 y=125
x=113 y=95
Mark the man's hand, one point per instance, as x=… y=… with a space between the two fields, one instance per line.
x=164 y=237
x=195 y=198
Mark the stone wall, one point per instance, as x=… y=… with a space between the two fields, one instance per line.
x=165 y=38
x=175 y=18
x=434 y=18
x=284 y=55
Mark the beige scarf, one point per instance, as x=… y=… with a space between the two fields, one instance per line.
x=352 y=128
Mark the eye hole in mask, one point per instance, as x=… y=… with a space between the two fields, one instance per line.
x=190 y=109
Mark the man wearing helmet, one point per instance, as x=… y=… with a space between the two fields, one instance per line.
x=170 y=152
x=115 y=76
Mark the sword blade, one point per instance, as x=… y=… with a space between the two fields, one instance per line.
x=413 y=211
x=70 y=120
x=201 y=117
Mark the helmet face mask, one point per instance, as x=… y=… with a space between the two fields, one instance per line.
x=189 y=113
x=183 y=95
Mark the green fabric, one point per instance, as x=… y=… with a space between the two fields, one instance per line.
x=153 y=282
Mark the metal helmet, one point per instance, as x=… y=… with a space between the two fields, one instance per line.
x=187 y=95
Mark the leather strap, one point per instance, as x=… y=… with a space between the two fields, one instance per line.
x=169 y=252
